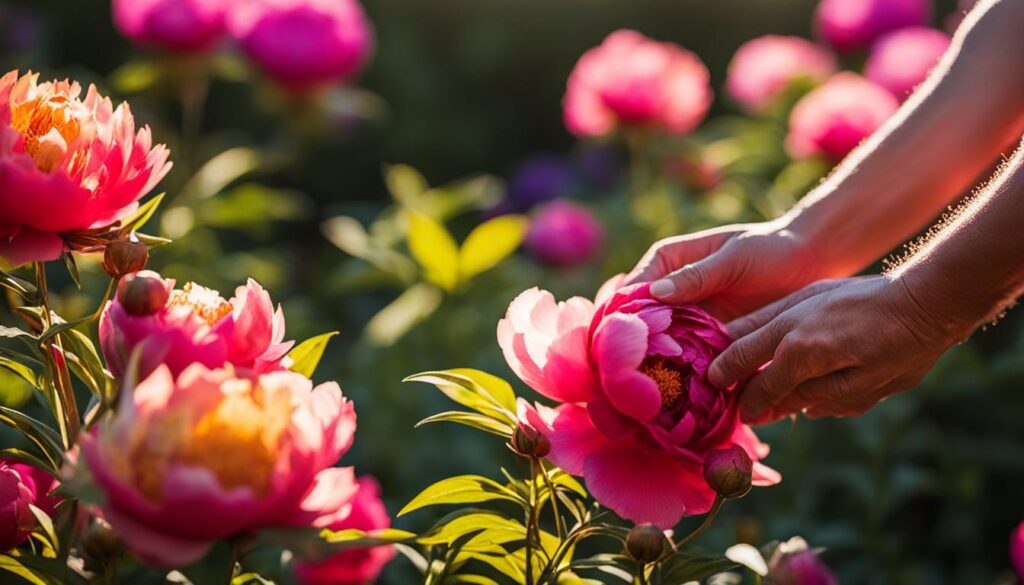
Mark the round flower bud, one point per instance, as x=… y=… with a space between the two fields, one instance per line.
x=646 y=543
x=528 y=442
x=729 y=472
x=143 y=293
x=793 y=563
x=122 y=257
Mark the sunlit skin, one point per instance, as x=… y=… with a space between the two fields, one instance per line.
x=839 y=345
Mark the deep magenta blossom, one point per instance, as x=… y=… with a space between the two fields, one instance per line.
x=303 y=44
x=358 y=566
x=638 y=415
x=794 y=563
x=901 y=60
x=195 y=325
x=834 y=118
x=1017 y=550
x=631 y=80
x=763 y=67
x=66 y=164
x=16 y=520
x=179 y=26
x=564 y=234
x=851 y=25
x=189 y=461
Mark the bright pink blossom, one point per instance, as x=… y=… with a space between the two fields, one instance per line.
x=851 y=25
x=16 y=519
x=357 y=566
x=638 y=415
x=66 y=165
x=631 y=80
x=191 y=461
x=763 y=67
x=196 y=325
x=178 y=26
x=901 y=60
x=564 y=234
x=303 y=43
x=834 y=118
x=1017 y=551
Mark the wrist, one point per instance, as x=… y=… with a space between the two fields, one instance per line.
x=936 y=304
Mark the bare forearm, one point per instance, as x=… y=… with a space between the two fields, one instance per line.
x=974 y=267
x=929 y=153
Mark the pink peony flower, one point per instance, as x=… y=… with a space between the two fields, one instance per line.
x=303 y=43
x=16 y=520
x=194 y=325
x=179 y=26
x=763 y=67
x=901 y=60
x=833 y=119
x=631 y=80
x=66 y=165
x=357 y=566
x=191 y=461
x=564 y=234
x=851 y=25
x=793 y=563
x=638 y=415
x=39 y=482
x=1017 y=550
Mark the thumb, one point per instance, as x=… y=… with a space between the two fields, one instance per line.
x=694 y=282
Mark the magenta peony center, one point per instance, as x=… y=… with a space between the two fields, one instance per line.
x=682 y=395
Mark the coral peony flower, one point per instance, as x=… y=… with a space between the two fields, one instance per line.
x=833 y=119
x=763 y=67
x=631 y=80
x=303 y=43
x=191 y=461
x=66 y=165
x=1017 y=550
x=901 y=60
x=179 y=26
x=851 y=25
x=564 y=234
x=638 y=414
x=16 y=520
x=357 y=566
x=793 y=563
x=192 y=325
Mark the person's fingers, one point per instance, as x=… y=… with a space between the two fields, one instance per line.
x=668 y=255
x=697 y=281
x=836 y=394
x=745 y=325
x=771 y=386
x=746 y=354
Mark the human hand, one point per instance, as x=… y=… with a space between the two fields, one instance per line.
x=729 y=271
x=835 y=348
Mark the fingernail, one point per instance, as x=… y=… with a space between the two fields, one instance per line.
x=663 y=288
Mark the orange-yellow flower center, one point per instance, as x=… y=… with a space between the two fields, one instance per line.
x=205 y=303
x=237 y=441
x=47 y=126
x=668 y=378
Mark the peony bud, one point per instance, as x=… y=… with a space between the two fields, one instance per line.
x=100 y=545
x=729 y=472
x=143 y=293
x=793 y=563
x=123 y=257
x=528 y=442
x=646 y=543
x=16 y=520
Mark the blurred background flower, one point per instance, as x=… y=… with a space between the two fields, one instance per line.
x=171 y=25
x=763 y=67
x=564 y=234
x=851 y=25
x=901 y=60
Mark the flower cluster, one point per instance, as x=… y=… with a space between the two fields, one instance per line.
x=301 y=44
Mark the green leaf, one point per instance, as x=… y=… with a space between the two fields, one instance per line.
x=749 y=557
x=135 y=77
x=48 y=441
x=395 y=320
x=483 y=392
x=69 y=262
x=30 y=569
x=490 y=243
x=221 y=171
x=489 y=528
x=682 y=568
x=46 y=526
x=477 y=421
x=306 y=356
x=18 y=285
x=143 y=214
x=406 y=185
x=435 y=250
x=21 y=369
x=15 y=333
x=360 y=538
x=463 y=489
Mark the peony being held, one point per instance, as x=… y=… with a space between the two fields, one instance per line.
x=190 y=461
x=638 y=416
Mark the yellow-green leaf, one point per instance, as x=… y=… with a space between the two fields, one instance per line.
x=493 y=529
x=306 y=356
x=435 y=250
x=363 y=538
x=462 y=489
x=406 y=185
x=490 y=243
x=411 y=307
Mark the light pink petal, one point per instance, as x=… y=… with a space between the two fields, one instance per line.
x=329 y=501
x=254 y=319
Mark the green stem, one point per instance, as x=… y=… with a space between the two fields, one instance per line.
x=531 y=521
x=103 y=302
x=232 y=561
x=559 y=529
x=719 y=501
x=66 y=408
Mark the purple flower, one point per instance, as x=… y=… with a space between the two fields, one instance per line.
x=537 y=180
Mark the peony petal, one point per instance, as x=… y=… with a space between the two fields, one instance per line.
x=155 y=546
x=329 y=500
x=572 y=435
x=620 y=346
x=30 y=245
